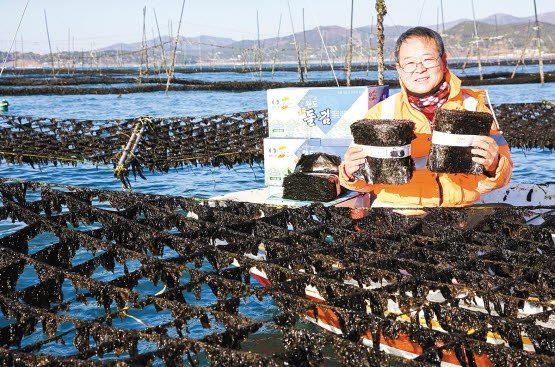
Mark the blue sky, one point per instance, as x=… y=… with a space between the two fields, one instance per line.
x=101 y=23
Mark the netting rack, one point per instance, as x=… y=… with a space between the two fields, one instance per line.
x=466 y=286
x=220 y=140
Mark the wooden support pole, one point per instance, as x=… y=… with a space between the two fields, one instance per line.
x=382 y=11
x=142 y=50
x=299 y=69
x=350 y=48
x=161 y=43
x=259 y=49
x=305 y=51
x=175 y=48
x=49 y=45
x=477 y=39
x=145 y=44
x=539 y=42
x=369 y=46
x=277 y=47
x=523 y=53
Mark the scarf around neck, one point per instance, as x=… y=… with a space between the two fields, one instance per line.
x=428 y=104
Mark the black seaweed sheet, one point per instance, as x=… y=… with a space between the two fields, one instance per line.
x=311 y=187
x=315 y=178
x=318 y=163
x=384 y=133
x=452 y=159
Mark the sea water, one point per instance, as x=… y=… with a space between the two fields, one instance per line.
x=531 y=166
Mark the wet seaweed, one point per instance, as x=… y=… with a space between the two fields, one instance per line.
x=358 y=274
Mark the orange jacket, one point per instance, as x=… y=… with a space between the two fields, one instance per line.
x=427 y=188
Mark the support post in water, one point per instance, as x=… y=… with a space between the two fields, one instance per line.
x=539 y=42
x=299 y=69
x=259 y=48
x=477 y=40
x=305 y=51
x=350 y=48
x=121 y=170
x=170 y=75
x=49 y=46
x=382 y=11
x=277 y=46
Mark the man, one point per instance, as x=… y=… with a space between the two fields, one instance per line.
x=426 y=85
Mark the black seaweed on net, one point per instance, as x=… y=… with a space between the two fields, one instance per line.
x=220 y=140
x=311 y=260
x=384 y=133
x=456 y=159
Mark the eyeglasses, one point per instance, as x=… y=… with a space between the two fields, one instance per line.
x=429 y=63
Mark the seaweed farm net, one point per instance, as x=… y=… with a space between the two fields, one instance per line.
x=469 y=286
x=117 y=85
x=165 y=143
x=159 y=143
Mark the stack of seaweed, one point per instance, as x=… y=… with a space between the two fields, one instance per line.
x=316 y=178
x=387 y=147
x=453 y=140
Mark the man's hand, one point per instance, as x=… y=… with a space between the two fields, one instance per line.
x=354 y=157
x=486 y=152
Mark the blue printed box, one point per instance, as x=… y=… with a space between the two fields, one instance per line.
x=282 y=154
x=319 y=112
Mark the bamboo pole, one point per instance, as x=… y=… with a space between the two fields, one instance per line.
x=175 y=48
x=142 y=50
x=476 y=39
x=523 y=53
x=369 y=46
x=277 y=46
x=73 y=55
x=496 y=34
x=15 y=55
x=49 y=45
x=259 y=53
x=442 y=19
x=538 y=40
x=350 y=48
x=68 y=49
x=161 y=43
x=299 y=70
x=305 y=51
x=145 y=44
x=382 y=11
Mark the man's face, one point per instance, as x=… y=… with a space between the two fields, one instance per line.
x=420 y=51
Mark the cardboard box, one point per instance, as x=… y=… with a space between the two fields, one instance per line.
x=281 y=155
x=319 y=112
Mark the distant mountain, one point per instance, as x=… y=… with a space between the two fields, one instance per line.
x=206 y=40
x=505 y=19
x=510 y=37
x=333 y=35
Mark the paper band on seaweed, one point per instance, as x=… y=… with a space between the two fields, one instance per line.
x=454 y=140
x=385 y=152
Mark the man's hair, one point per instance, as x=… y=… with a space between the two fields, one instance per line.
x=420 y=32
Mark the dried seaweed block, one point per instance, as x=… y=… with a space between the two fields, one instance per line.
x=318 y=163
x=451 y=158
x=311 y=187
x=392 y=164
